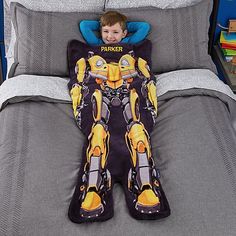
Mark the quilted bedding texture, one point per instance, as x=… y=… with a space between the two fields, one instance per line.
x=193 y=146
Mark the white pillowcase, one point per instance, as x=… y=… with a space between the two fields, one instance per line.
x=163 y=4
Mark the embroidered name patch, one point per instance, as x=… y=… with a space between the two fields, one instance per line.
x=111 y=49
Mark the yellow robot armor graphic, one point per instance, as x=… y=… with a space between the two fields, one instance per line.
x=142 y=175
x=77 y=93
x=99 y=68
x=127 y=67
x=104 y=72
x=143 y=67
x=80 y=70
x=114 y=80
x=79 y=90
x=152 y=96
x=97 y=179
x=76 y=96
x=99 y=136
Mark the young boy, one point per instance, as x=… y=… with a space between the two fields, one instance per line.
x=113 y=29
x=114 y=101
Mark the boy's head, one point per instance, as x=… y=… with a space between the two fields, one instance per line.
x=113 y=27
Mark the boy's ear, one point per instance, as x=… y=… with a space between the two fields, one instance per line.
x=125 y=33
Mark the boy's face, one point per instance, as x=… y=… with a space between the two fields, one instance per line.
x=112 y=34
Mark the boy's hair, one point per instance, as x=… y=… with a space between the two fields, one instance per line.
x=112 y=17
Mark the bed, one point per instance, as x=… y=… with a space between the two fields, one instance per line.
x=194 y=141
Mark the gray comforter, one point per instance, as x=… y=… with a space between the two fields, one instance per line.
x=194 y=146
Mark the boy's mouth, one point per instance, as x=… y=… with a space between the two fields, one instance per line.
x=111 y=41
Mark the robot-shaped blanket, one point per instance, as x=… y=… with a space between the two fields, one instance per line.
x=115 y=105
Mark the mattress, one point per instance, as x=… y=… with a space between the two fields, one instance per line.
x=193 y=146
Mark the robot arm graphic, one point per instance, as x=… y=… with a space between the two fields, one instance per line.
x=148 y=86
x=79 y=90
x=93 y=67
x=152 y=95
x=131 y=67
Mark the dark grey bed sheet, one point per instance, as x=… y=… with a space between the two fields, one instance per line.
x=194 y=146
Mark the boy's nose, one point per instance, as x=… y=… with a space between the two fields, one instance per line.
x=110 y=35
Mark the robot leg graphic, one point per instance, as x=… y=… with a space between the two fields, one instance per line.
x=96 y=180
x=142 y=178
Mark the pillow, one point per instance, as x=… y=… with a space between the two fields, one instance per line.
x=42 y=38
x=9 y=37
x=163 y=4
x=61 y=5
x=7 y=26
x=179 y=36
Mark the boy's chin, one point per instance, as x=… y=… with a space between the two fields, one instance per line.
x=110 y=42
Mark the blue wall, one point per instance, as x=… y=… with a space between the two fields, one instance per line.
x=4 y=63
